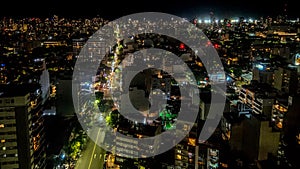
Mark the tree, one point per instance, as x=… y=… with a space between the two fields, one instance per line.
x=74 y=149
x=167 y=118
x=112 y=118
x=237 y=71
x=128 y=164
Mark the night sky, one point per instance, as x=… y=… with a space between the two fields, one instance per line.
x=113 y=9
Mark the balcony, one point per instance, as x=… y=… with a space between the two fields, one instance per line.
x=280 y=108
x=7 y=129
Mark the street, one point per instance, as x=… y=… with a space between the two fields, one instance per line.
x=93 y=155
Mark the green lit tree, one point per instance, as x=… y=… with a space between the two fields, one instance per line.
x=167 y=119
x=75 y=149
x=112 y=118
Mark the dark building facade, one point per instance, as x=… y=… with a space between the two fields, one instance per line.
x=21 y=127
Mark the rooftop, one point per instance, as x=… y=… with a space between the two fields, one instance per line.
x=260 y=88
x=12 y=90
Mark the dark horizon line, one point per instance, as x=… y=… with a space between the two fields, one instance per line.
x=192 y=13
x=110 y=17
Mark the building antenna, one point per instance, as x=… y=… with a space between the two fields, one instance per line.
x=285 y=9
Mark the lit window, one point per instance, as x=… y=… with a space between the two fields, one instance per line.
x=279 y=124
x=178 y=157
x=33 y=103
x=298 y=138
x=192 y=141
x=1 y=125
x=2 y=141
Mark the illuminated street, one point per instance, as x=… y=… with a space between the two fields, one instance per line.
x=93 y=155
x=69 y=69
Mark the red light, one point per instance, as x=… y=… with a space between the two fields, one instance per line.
x=181 y=46
x=208 y=43
x=216 y=46
x=195 y=21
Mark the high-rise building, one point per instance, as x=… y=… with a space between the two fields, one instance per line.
x=44 y=81
x=254 y=138
x=259 y=97
x=263 y=76
x=205 y=104
x=286 y=80
x=280 y=108
x=187 y=151
x=291 y=129
x=21 y=127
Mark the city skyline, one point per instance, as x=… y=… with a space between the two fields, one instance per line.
x=149 y=99
x=190 y=8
